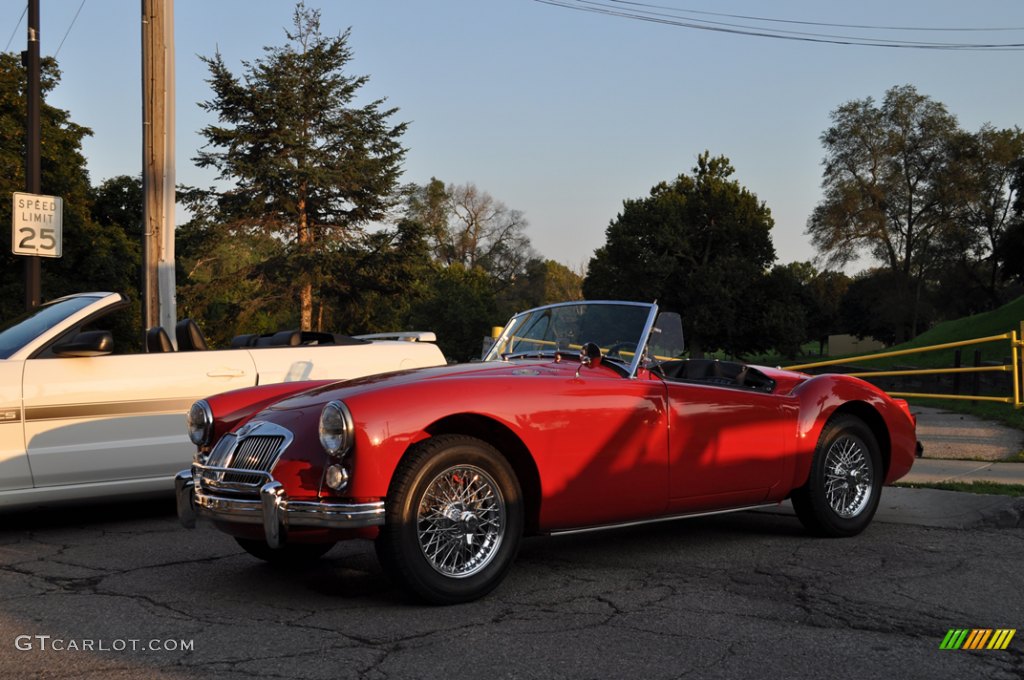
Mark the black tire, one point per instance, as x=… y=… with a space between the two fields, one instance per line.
x=291 y=555
x=845 y=484
x=453 y=520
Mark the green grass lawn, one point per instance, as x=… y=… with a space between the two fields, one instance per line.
x=997 y=322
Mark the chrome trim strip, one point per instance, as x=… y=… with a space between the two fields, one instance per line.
x=272 y=500
x=272 y=509
x=645 y=338
x=183 y=486
x=218 y=484
x=669 y=518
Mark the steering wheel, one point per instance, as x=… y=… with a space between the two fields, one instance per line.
x=615 y=347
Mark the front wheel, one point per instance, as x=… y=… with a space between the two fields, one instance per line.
x=453 y=521
x=843 y=490
x=290 y=555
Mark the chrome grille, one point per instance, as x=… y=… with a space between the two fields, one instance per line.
x=257 y=452
x=242 y=461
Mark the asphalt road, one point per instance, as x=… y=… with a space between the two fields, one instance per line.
x=92 y=593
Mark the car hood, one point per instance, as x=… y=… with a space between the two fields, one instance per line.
x=348 y=388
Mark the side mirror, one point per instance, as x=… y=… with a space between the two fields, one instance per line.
x=87 y=344
x=590 y=355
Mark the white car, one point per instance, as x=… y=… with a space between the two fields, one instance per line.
x=77 y=421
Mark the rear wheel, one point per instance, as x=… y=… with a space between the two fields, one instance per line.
x=290 y=555
x=453 y=521
x=843 y=490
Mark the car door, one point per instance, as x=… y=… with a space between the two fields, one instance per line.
x=119 y=417
x=340 y=362
x=728 y=447
x=604 y=457
x=14 y=470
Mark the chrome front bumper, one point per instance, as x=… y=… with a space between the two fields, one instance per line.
x=272 y=509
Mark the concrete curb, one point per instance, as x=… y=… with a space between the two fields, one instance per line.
x=931 y=470
x=940 y=509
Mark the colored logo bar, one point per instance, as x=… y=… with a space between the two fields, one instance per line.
x=978 y=638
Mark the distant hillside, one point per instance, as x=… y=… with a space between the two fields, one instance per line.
x=1003 y=320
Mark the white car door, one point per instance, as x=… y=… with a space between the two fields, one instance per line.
x=341 y=362
x=14 y=470
x=119 y=417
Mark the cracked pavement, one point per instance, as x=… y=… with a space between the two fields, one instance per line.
x=735 y=596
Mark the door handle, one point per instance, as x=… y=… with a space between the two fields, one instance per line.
x=226 y=373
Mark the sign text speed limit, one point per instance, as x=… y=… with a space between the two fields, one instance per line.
x=36 y=225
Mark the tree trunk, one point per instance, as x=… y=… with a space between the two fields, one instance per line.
x=306 y=299
x=305 y=245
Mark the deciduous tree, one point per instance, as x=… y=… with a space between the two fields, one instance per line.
x=887 y=188
x=700 y=245
x=97 y=254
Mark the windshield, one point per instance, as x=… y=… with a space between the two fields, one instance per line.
x=19 y=332
x=620 y=329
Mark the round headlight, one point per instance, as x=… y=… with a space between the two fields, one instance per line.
x=336 y=428
x=199 y=421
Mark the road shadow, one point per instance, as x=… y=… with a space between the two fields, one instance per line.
x=87 y=513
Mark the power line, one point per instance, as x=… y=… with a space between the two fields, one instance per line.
x=616 y=10
x=69 y=29
x=16 y=26
x=682 y=10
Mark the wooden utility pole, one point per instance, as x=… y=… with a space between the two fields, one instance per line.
x=158 y=201
x=33 y=145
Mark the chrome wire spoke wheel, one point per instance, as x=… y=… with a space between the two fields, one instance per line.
x=460 y=522
x=848 y=477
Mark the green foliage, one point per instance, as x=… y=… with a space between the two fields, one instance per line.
x=461 y=327
x=465 y=225
x=308 y=168
x=701 y=246
x=543 y=282
x=823 y=293
x=875 y=305
x=997 y=322
x=886 y=181
x=478 y=255
x=929 y=201
x=98 y=253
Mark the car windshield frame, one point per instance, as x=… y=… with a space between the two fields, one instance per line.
x=20 y=331
x=558 y=328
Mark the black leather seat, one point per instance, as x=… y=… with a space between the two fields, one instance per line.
x=247 y=340
x=189 y=337
x=158 y=341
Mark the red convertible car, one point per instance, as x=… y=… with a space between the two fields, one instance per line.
x=579 y=418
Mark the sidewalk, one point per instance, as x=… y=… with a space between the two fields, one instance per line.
x=931 y=470
x=949 y=438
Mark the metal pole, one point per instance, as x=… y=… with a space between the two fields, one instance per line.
x=33 y=173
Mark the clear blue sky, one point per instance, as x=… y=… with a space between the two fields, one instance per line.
x=558 y=113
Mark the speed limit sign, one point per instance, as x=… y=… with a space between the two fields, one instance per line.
x=36 y=225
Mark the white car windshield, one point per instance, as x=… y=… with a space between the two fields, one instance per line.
x=24 y=329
